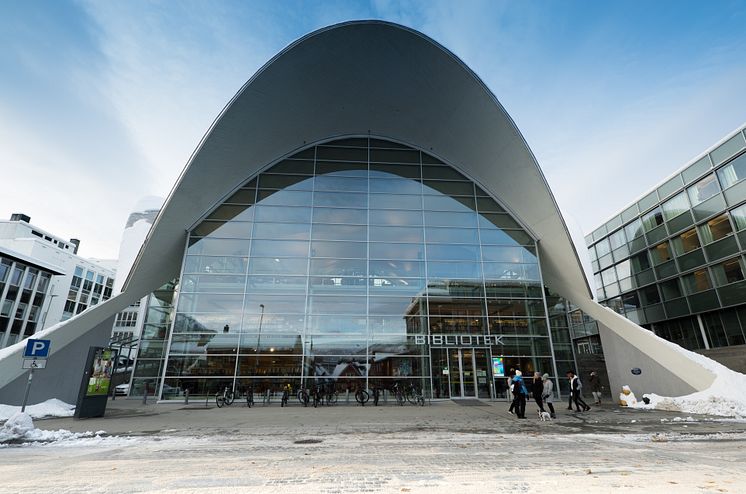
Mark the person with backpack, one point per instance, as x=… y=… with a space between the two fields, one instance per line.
x=520 y=393
x=575 y=387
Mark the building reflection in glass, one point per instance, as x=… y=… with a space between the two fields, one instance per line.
x=325 y=266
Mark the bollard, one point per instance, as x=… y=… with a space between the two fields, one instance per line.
x=347 y=396
x=186 y=396
x=145 y=395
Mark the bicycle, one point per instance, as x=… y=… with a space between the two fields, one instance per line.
x=362 y=396
x=414 y=396
x=224 y=398
x=330 y=394
x=398 y=394
x=303 y=397
x=318 y=397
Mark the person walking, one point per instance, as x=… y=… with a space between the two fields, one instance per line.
x=520 y=393
x=537 y=390
x=575 y=387
x=595 y=383
x=547 y=394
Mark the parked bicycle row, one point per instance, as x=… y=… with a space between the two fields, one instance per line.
x=323 y=394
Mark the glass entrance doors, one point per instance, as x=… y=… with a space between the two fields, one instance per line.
x=468 y=373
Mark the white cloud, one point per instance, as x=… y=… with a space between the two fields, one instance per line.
x=170 y=73
x=599 y=166
x=120 y=122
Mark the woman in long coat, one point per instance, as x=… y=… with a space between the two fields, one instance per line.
x=548 y=394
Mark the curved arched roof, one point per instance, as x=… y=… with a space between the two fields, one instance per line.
x=364 y=78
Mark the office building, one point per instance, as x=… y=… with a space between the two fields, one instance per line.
x=673 y=261
x=76 y=283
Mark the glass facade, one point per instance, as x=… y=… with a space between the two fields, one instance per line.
x=673 y=262
x=23 y=289
x=87 y=288
x=358 y=263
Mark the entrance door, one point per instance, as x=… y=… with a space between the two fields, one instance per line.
x=468 y=373
x=468 y=376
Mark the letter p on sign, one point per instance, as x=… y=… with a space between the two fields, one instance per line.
x=37 y=349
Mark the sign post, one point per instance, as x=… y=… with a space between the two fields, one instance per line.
x=34 y=357
x=95 y=383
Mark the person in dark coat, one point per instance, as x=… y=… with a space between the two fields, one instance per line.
x=575 y=387
x=520 y=392
x=537 y=390
x=595 y=383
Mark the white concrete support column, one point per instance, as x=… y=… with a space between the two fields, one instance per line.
x=702 y=331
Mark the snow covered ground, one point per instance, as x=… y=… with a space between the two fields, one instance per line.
x=19 y=429
x=440 y=448
x=414 y=461
x=49 y=408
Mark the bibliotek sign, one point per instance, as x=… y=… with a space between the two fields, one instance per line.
x=458 y=339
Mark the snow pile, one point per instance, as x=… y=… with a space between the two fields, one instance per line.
x=704 y=402
x=725 y=397
x=49 y=408
x=627 y=397
x=19 y=429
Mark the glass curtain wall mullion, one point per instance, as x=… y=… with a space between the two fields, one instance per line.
x=30 y=307
x=425 y=274
x=14 y=307
x=549 y=323
x=493 y=391
x=367 y=276
x=3 y=295
x=305 y=329
x=246 y=288
x=175 y=303
x=5 y=333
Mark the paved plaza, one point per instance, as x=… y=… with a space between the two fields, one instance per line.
x=442 y=447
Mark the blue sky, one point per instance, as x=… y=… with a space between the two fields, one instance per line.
x=102 y=103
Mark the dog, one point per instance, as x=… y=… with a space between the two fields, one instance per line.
x=544 y=416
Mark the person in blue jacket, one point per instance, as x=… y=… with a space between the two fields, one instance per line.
x=520 y=393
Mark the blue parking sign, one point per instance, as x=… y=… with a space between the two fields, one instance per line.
x=37 y=349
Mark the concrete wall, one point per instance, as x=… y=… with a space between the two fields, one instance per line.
x=622 y=357
x=668 y=369
x=61 y=378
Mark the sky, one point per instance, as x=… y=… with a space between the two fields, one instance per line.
x=102 y=102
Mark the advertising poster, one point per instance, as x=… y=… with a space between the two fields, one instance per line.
x=100 y=372
x=498 y=368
